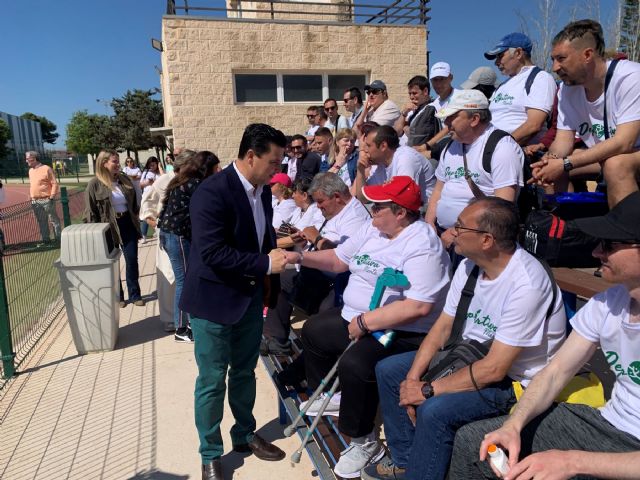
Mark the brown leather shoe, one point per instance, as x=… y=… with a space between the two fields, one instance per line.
x=261 y=449
x=212 y=470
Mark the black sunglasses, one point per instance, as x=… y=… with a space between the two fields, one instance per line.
x=609 y=246
x=377 y=207
x=375 y=91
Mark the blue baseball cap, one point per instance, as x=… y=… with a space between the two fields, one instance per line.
x=513 y=40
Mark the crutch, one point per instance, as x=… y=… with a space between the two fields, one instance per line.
x=388 y=278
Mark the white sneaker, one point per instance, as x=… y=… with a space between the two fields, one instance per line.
x=333 y=407
x=356 y=457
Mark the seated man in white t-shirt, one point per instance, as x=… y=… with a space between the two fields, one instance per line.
x=546 y=440
x=398 y=239
x=383 y=150
x=344 y=216
x=515 y=306
x=518 y=112
x=578 y=59
x=469 y=120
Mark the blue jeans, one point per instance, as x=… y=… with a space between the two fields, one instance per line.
x=144 y=228
x=129 y=236
x=177 y=249
x=425 y=450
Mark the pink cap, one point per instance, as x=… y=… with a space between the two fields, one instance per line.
x=282 y=178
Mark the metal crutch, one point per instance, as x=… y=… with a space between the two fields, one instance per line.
x=388 y=278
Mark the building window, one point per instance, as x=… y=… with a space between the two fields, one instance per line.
x=302 y=88
x=256 y=88
x=293 y=87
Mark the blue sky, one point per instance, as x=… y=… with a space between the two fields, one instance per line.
x=60 y=56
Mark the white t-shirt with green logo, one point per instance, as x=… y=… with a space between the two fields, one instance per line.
x=586 y=118
x=509 y=103
x=605 y=320
x=416 y=251
x=506 y=170
x=513 y=310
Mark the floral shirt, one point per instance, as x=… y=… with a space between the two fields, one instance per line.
x=174 y=217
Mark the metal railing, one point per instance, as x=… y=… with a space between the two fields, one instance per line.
x=399 y=12
x=30 y=296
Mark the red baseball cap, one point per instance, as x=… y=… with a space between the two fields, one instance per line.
x=282 y=178
x=401 y=190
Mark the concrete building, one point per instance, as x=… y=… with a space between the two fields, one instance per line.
x=267 y=62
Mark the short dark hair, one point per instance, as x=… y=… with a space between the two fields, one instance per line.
x=322 y=113
x=259 y=137
x=312 y=108
x=387 y=134
x=587 y=29
x=354 y=92
x=419 y=81
x=330 y=100
x=302 y=185
x=411 y=215
x=368 y=127
x=297 y=136
x=323 y=132
x=501 y=219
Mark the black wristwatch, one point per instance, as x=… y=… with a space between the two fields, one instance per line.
x=427 y=390
x=567 y=165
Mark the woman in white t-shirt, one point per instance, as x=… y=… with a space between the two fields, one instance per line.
x=149 y=174
x=283 y=204
x=306 y=214
x=396 y=239
x=132 y=170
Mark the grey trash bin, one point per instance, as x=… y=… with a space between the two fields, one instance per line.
x=89 y=268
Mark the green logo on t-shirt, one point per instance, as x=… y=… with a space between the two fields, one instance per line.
x=489 y=327
x=503 y=98
x=632 y=371
x=458 y=173
x=597 y=130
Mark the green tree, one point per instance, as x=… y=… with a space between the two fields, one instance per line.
x=135 y=113
x=49 y=134
x=5 y=136
x=89 y=133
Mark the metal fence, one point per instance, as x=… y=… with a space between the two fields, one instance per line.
x=398 y=12
x=30 y=296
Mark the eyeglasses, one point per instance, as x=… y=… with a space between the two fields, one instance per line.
x=378 y=207
x=457 y=227
x=328 y=109
x=375 y=91
x=609 y=246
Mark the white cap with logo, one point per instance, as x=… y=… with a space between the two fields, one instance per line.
x=440 y=69
x=464 y=100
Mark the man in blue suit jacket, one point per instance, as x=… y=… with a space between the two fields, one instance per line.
x=232 y=269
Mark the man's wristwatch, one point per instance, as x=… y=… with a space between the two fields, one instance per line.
x=567 y=165
x=427 y=390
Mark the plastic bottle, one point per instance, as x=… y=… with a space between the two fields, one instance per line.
x=498 y=459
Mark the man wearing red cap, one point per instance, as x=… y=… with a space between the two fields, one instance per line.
x=396 y=238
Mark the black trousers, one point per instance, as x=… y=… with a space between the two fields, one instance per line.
x=325 y=336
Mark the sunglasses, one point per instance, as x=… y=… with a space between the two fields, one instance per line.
x=297 y=147
x=609 y=246
x=328 y=109
x=345 y=100
x=378 y=207
x=375 y=91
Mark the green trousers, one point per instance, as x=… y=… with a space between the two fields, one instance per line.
x=217 y=348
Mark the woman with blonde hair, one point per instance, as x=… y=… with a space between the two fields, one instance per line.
x=110 y=198
x=344 y=156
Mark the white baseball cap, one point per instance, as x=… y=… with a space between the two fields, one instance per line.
x=464 y=100
x=440 y=69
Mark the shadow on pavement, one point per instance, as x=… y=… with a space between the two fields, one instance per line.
x=142 y=331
